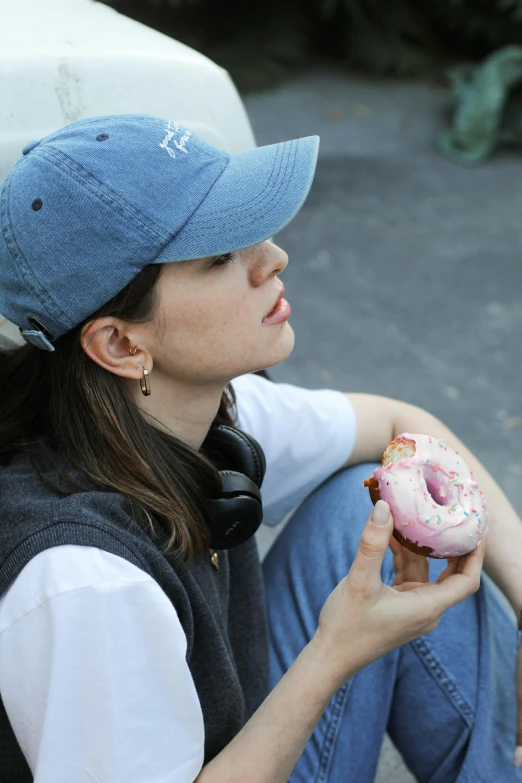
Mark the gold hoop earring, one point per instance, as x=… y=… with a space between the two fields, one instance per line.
x=145 y=383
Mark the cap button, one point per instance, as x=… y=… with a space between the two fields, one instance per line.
x=30 y=146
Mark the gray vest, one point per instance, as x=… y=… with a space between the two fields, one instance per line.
x=222 y=612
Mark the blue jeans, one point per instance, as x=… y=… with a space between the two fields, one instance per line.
x=447 y=699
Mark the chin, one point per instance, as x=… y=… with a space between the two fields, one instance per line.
x=274 y=353
x=283 y=348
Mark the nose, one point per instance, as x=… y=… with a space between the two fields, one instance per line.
x=269 y=261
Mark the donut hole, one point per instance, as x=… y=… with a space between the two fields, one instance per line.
x=434 y=490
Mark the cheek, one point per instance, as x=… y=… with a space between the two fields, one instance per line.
x=233 y=332
x=202 y=326
x=214 y=317
x=234 y=308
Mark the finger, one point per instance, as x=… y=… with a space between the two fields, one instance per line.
x=451 y=568
x=416 y=568
x=395 y=547
x=398 y=561
x=463 y=582
x=471 y=564
x=375 y=539
x=461 y=564
x=408 y=565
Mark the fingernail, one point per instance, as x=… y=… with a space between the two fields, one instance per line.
x=380 y=513
x=517 y=760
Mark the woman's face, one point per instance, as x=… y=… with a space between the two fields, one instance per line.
x=209 y=325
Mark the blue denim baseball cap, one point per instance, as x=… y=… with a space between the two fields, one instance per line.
x=86 y=208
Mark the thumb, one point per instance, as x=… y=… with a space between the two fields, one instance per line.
x=374 y=543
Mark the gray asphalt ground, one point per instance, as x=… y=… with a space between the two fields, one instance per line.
x=405 y=269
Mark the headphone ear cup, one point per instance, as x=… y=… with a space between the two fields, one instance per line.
x=229 y=447
x=235 y=484
x=237 y=515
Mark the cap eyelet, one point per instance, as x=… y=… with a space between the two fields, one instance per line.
x=102 y=136
x=37 y=204
x=39 y=326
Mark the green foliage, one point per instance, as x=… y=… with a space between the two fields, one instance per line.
x=260 y=54
x=260 y=42
x=390 y=37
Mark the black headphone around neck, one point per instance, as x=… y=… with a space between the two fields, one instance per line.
x=238 y=512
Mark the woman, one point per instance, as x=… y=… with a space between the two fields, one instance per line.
x=136 y=260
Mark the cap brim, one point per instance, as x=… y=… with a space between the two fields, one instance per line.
x=258 y=193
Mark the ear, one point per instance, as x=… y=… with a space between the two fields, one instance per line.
x=109 y=345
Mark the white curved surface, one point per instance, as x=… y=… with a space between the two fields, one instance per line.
x=65 y=60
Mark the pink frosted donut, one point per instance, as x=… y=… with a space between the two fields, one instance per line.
x=438 y=509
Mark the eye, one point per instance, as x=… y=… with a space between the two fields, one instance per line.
x=222 y=260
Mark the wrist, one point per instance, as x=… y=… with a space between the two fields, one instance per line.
x=333 y=661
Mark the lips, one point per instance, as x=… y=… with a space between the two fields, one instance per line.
x=280 y=296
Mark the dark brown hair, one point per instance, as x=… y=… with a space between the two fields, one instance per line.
x=87 y=417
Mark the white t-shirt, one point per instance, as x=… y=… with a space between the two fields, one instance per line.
x=93 y=673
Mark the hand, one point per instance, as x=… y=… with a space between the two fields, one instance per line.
x=364 y=619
